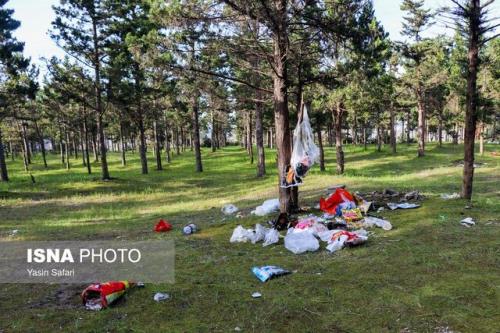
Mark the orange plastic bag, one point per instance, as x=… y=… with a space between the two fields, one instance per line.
x=98 y=296
x=330 y=205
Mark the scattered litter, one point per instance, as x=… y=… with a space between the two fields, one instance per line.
x=163 y=226
x=300 y=242
x=241 y=234
x=316 y=206
x=380 y=209
x=352 y=214
x=414 y=195
x=265 y=273
x=13 y=232
x=340 y=199
x=450 y=196
x=371 y=221
x=260 y=233
x=460 y=163
x=189 y=229
x=256 y=295
x=98 y=296
x=140 y=284
x=229 y=209
x=335 y=187
x=272 y=237
x=345 y=238
x=159 y=297
x=404 y=205
x=237 y=329
x=282 y=222
x=390 y=192
x=267 y=207
x=468 y=222
x=304 y=153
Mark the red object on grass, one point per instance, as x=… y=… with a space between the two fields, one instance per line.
x=163 y=226
x=339 y=196
x=103 y=294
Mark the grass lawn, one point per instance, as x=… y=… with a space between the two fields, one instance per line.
x=426 y=275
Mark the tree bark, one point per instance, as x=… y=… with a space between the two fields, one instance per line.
x=249 y=136
x=259 y=137
x=68 y=165
x=167 y=141
x=213 y=133
x=421 y=123
x=27 y=149
x=100 y=124
x=280 y=96
x=142 y=145
x=157 y=146
x=4 y=174
x=196 y=132
x=392 y=129
x=337 y=118
x=471 y=99
x=42 y=144
x=481 y=139
x=123 y=147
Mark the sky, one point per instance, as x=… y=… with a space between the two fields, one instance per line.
x=36 y=16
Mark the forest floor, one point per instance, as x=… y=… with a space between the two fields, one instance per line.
x=428 y=274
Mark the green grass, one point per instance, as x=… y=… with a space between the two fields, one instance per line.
x=427 y=273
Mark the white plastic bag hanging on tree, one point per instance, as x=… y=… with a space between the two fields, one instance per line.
x=304 y=154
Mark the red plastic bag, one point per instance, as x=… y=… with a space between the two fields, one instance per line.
x=330 y=205
x=98 y=296
x=163 y=226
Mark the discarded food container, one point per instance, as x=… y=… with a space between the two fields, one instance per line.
x=162 y=226
x=468 y=222
x=98 y=296
x=265 y=273
x=159 y=297
x=189 y=229
x=256 y=295
x=229 y=209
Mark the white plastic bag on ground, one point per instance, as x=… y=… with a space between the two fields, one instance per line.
x=300 y=242
x=305 y=152
x=229 y=209
x=272 y=236
x=267 y=207
x=241 y=234
x=336 y=244
x=260 y=233
x=375 y=221
x=450 y=196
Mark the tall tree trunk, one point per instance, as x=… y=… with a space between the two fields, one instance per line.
x=408 y=115
x=157 y=146
x=167 y=141
x=177 y=142
x=27 y=149
x=259 y=137
x=471 y=98
x=379 y=139
x=440 y=128
x=123 y=147
x=142 y=145
x=23 y=148
x=82 y=145
x=86 y=138
x=100 y=124
x=421 y=122
x=280 y=96
x=61 y=146
x=355 y=129
x=320 y=145
x=75 y=146
x=249 y=136
x=196 y=132
x=42 y=144
x=213 y=133
x=4 y=174
x=337 y=118
x=392 y=129
x=68 y=165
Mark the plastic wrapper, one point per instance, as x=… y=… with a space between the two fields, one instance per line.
x=162 y=226
x=229 y=209
x=371 y=221
x=300 y=242
x=340 y=199
x=304 y=153
x=241 y=234
x=267 y=207
x=265 y=273
x=260 y=233
x=98 y=296
x=352 y=214
x=272 y=237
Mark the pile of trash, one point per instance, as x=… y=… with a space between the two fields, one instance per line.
x=342 y=225
x=391 y=199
